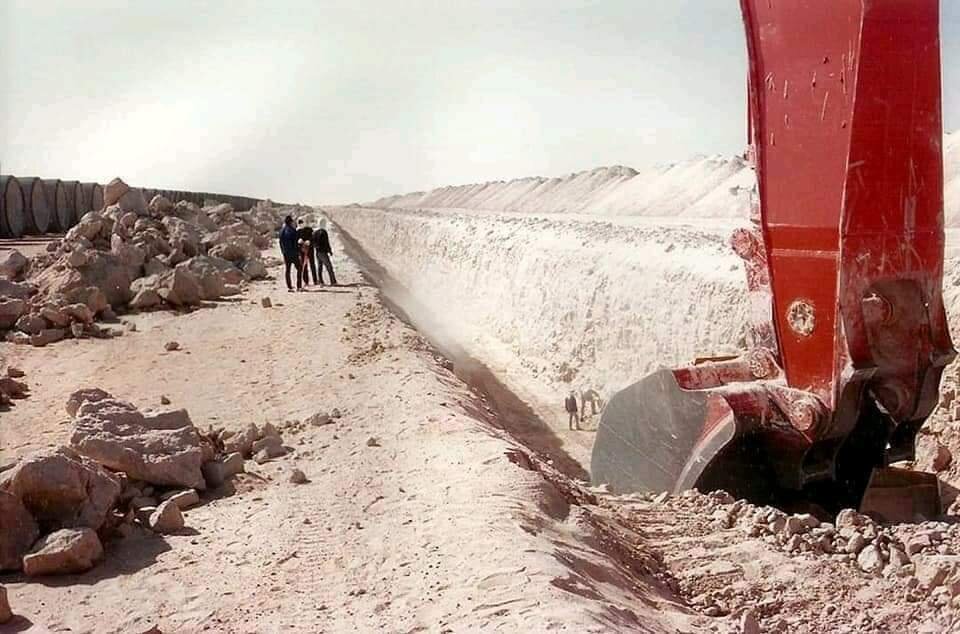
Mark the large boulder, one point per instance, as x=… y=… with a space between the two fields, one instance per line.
x=133 y=201
x=11 y=310
x=177 y=287
x=18 y=531
x=87 y=230
x=16 y=290
x=183 y=236
x=255 y=269
x=159 y=206
x=235 y=250
x=90 y=296
x=63 y=489
x=63 y=552
x=104 y=271
x=191 y=213
x=12 y=264
x=213 y=274
x=162 y=449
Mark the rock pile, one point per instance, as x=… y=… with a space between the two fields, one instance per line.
x=124 y=468
x=132 y=256
x=918 y=562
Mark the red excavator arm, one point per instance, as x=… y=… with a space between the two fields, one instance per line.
x=844 y=271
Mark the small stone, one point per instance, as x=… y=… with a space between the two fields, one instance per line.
x=298 y=477
x=848 y=518
x=171 y=346
x=335 y=413
x=164 y=400
x=5 y=612
x=167 y=518
x=319 y=419
x=266 y=303
x=15 y=373
x=870 y=559
x=130 y=326
x=794 y=544
x=373 y=441
x=794 y=526
x=856 y=544
x=272 y=443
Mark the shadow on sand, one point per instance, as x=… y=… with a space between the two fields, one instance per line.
x=506 y=410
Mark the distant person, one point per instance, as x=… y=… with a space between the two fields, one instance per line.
x=290 y=251
x=571 y=406
x=305 y=239
x=591 y=396
x=321 y=243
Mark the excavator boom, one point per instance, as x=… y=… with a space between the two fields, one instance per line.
x=844 y=266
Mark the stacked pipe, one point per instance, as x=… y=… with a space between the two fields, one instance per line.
x=31 y=205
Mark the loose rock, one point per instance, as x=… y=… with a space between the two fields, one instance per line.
x=64 y=551
x=167 y=518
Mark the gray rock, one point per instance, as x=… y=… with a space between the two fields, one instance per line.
x=65 y=551
x=298 y=477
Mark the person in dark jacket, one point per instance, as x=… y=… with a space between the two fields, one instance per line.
x=321 y=243
x=570 y=404
x=290 y=251
x=305 y=239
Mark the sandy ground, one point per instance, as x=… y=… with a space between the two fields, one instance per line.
x=435 y=529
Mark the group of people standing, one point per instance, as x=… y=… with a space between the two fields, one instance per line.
x=575 y=414
x=303 y=249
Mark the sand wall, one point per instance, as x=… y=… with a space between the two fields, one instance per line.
x=552 y=300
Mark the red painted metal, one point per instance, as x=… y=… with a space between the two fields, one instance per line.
x=844 y=266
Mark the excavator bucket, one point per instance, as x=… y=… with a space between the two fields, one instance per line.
x=650 y=431
x=844 y=273
x=657 y=436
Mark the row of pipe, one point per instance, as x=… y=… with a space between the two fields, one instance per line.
x=35 y=206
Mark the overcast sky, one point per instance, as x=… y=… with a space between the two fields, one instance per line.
x=346 y=101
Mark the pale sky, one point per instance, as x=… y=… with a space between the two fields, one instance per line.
x=348 y=101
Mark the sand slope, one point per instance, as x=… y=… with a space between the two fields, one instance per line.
x=702 y=187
